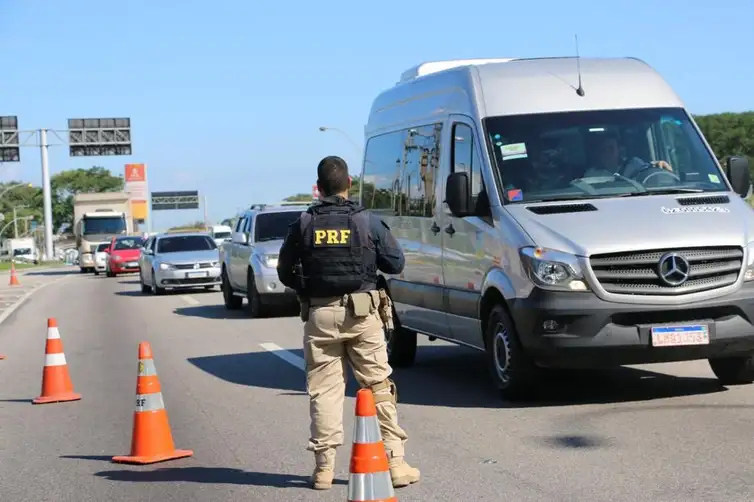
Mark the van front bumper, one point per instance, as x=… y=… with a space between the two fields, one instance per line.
x=581 y=330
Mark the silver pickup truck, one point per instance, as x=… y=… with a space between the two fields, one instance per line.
x=249 y=259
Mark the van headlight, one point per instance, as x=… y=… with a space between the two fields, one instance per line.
x=749 y=273
x=270 y=260
x=551 y=269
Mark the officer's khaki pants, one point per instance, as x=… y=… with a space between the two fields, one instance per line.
x=332 y=338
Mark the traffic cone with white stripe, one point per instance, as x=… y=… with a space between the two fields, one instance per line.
x=56 y=382
x=151 y=440
x=369 y=474
x=13 y=277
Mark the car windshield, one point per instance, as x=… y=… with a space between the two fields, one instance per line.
x=129 y=243
x=101 y=248
x=273 y=226
x=612 y=153
x=182 y=243
x=222 y=235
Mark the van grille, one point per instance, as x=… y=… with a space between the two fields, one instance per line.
x=637 y=273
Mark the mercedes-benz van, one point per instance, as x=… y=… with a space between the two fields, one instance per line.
x=558 y=212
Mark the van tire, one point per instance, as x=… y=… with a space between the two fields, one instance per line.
x=513 y=372
x=733 y=370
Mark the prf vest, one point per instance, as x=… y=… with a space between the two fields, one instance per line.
x=338 y=257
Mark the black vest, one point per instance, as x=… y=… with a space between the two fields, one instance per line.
x=338 y=257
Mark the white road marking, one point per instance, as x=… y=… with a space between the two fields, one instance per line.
x=285 y=355
x=190 y=300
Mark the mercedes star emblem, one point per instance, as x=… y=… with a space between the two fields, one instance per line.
x=673 y=269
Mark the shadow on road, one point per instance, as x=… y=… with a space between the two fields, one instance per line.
x=51 y=272
x=220 y=312
x=132 y=292
x=211 y=475
x=457 y=377
x=135 y=281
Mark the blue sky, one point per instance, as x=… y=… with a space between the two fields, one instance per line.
x=226 y=96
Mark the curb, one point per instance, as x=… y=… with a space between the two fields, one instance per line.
x=9 y=311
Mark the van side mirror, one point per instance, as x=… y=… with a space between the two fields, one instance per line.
x=457 y=195
x=737 y=171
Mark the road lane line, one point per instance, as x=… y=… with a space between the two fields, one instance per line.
x=190 y=300
x=285 y=355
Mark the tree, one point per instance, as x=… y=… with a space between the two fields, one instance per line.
x=189 y=226
x=26 y=199
x=66 y=184
x=299 y=197
x=729 y=134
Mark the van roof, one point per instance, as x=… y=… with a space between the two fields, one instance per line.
x=514 y=86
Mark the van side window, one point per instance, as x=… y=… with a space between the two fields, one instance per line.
x=382 y=164
x=417 y=183
x=400 y=171
x=466 y=159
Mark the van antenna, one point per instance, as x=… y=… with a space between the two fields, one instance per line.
x=580 y=89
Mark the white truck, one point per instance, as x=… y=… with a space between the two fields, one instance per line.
x=97 y=217
x=22 y=249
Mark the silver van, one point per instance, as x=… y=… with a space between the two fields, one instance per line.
x=560 y=212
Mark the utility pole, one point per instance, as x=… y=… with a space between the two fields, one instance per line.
x=15 y=224
x=46 y=195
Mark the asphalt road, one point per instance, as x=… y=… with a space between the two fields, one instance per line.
x=234 y=396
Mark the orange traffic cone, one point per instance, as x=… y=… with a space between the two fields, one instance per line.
x=13 y=277
x=151 y=440
x=369 y=474
x=56 y=382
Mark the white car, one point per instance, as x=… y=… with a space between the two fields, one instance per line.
x=100 y=258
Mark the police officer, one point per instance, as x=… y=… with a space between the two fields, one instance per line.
x=330 y=257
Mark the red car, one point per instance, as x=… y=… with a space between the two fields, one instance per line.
x=123 y=255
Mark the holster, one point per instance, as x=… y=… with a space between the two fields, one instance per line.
x=385 y=309
x=305 y=307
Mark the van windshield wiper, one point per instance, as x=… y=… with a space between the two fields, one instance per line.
x=663 y=191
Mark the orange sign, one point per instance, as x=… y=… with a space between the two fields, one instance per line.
x=139 y=209
x=136 y=172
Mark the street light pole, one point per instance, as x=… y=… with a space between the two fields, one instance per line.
x=342 y=133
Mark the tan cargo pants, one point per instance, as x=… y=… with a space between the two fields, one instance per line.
x=332 y=338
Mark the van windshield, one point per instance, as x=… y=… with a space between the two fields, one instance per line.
x=593 y=154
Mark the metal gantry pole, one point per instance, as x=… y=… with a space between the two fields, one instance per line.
x=46 y=195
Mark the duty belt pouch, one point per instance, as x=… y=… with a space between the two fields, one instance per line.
x=305 y=311
x=360 y=304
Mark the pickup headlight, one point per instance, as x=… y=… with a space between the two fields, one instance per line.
x=749 y=273
x=551 y=269
x=270 y=260
x=215 y=264
x=166 y=266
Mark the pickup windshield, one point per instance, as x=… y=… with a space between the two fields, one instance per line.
x=274 y=226
x=595 y=154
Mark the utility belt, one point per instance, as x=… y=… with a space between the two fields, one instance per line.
x=357 y=305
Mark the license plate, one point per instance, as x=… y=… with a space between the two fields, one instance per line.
x=192 y=275
x=132 y=264
x=674 y=336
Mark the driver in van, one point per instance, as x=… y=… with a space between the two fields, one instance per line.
x=606 y=149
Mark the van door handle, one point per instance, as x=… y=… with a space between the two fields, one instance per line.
x=435 y=229
x=450 y=230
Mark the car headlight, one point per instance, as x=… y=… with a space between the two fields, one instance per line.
x=270 y=260
x=215 y=264
x=551 y=269
x=749 y=273
x=117 y=257
x=165 y=266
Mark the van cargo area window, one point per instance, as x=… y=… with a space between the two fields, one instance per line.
x=600 y=154
x=400 y=172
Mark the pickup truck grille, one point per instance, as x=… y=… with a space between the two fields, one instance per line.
x=190 y=266
x=638 y=272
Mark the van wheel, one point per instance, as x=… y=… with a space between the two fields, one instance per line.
x=513 y=372
x=401 y=344
x=232 y=302
x=733 y=370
